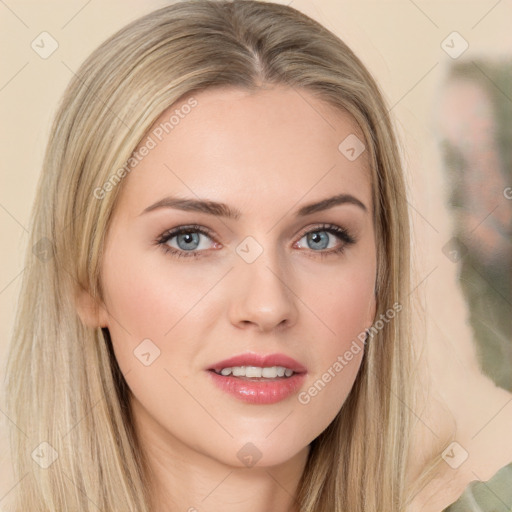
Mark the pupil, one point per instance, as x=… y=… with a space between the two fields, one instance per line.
x=188 y=238
x=317 y=237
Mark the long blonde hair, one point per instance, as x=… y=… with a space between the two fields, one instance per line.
x=64 y=386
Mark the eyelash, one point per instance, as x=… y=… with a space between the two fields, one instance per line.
x=162 y=240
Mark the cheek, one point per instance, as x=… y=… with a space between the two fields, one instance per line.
x=346 y=313
x=345 y=308
x=145 y=302
x=348 y=309
x=145 y=299
x=344 y=302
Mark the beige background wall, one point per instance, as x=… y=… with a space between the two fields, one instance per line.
x=400 y=42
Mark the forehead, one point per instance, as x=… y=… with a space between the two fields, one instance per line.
x=276 y=145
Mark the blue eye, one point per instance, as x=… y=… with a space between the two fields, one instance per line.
x=319 y=239
x=188 y=240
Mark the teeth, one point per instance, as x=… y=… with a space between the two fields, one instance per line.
x=257 y=372
x=269 y=373
x=253 y=371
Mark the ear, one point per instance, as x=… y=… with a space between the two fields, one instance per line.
x=91 y=311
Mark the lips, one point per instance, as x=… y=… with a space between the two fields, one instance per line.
x=252 y=359
x=258 y=391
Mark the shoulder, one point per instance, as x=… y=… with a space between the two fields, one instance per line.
x=467 y=493
x=487 y=469
x=493 y=495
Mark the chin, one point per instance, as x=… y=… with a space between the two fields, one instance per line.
x=258 y=452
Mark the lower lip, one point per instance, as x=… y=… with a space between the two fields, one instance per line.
x=259 y=391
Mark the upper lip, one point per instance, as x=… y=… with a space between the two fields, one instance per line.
x=252 y=359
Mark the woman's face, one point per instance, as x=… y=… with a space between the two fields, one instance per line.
x=272 y=282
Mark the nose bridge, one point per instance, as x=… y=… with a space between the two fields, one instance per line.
x=263 y=289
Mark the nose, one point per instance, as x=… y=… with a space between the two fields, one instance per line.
x=263 y=297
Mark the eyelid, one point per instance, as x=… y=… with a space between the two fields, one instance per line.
x=162 y=240
x=343 y=234
x=169 y=233
x=327 y=227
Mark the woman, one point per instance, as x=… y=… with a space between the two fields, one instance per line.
x=271 y=370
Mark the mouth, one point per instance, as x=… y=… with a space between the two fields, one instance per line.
x=256 y=372
x=258 y=379
x=257 y=366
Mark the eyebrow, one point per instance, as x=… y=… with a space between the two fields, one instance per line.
x=223 y=210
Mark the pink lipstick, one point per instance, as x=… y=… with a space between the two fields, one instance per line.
x=258 y=379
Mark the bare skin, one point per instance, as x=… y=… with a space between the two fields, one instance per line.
x=266 y=154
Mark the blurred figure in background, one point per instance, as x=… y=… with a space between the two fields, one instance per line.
x=476 y=132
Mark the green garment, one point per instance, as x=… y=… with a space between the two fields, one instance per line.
x=495 y=495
